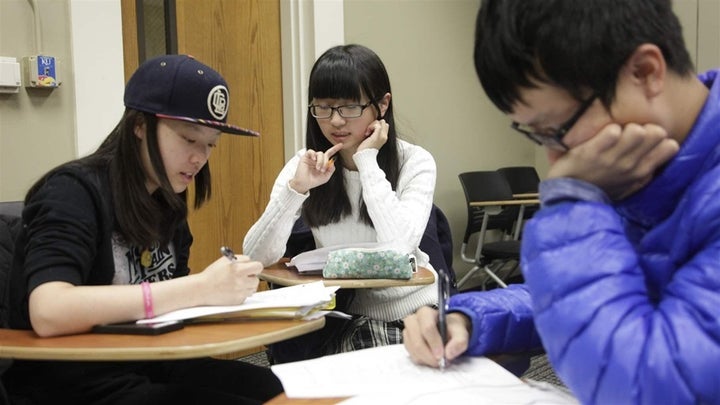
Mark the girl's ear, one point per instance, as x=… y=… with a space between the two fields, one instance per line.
x=384 y=104
x=140 y=129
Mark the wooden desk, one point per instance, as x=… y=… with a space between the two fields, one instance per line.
x=521 y=212
x=280 y=274
x=195 y=340
x=526 y=195
x=283 y=399
x=521 y=202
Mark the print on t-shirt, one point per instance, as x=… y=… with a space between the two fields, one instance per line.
x=129 y=270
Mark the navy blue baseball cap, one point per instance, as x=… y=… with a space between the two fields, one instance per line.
x=179 y=87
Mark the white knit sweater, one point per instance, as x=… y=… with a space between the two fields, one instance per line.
x=399 y=216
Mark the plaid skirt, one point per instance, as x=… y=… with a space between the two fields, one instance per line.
x=361 y=332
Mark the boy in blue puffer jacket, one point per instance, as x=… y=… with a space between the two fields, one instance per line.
x=622 y=262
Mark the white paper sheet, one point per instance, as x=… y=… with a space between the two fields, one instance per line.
x=522 y=394
x=387 y=373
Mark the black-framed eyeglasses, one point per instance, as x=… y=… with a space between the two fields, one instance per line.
x=552 y=138
x=323 y=112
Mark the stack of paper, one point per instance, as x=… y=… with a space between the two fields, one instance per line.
x=386 y=374
x=296 y=302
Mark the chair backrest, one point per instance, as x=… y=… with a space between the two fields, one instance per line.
x=11 y=208
x=522 y=179
x=10 y=225
x=437 y=243
x=301 y=239
x=486 y=186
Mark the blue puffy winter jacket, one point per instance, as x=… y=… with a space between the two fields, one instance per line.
x=625 y=297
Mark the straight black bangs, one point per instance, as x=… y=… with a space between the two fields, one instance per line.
x=336 y=76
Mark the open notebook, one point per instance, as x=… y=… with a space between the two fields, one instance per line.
x=295 y=302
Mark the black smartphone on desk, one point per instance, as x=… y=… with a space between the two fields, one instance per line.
x=133 y=328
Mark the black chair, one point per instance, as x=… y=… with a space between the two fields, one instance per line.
x=10 y=225
x=437 y=243
x=11 y=208
x=301 y=239
x=523 y=180
x=490 y=255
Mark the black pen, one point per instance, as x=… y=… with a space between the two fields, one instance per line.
x=443 y=295
x=227 y=252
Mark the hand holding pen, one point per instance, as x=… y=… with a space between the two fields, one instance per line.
x=435 y=337
x=227 y=252
x=230 y=255
x=229 y=280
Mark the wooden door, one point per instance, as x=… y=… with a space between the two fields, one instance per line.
x=240 y=39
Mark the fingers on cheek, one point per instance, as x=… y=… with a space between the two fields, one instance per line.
x=656 y=130
x=610 y=136
x=671 y=146
x=553 y=155
x=634 y=135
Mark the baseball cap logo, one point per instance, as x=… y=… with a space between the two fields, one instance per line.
x=218 y=102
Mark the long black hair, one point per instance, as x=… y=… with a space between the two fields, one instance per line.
x=347 y=72
x=142 y=219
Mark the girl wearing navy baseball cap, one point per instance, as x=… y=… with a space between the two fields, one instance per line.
x=105 y=240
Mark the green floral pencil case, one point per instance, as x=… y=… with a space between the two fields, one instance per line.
x=369 y=263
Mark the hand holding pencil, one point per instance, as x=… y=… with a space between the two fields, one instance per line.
x=315 y=169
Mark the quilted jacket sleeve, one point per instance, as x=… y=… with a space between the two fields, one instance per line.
x=502 y=320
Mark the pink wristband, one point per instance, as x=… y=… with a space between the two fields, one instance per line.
x=147 y=300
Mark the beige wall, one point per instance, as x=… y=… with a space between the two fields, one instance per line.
x=42 y=128
x=439 y=103
x=37 y=126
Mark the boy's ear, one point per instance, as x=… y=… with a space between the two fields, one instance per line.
x=648 y=69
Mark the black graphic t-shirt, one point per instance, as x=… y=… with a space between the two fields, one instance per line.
x=68 y=235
